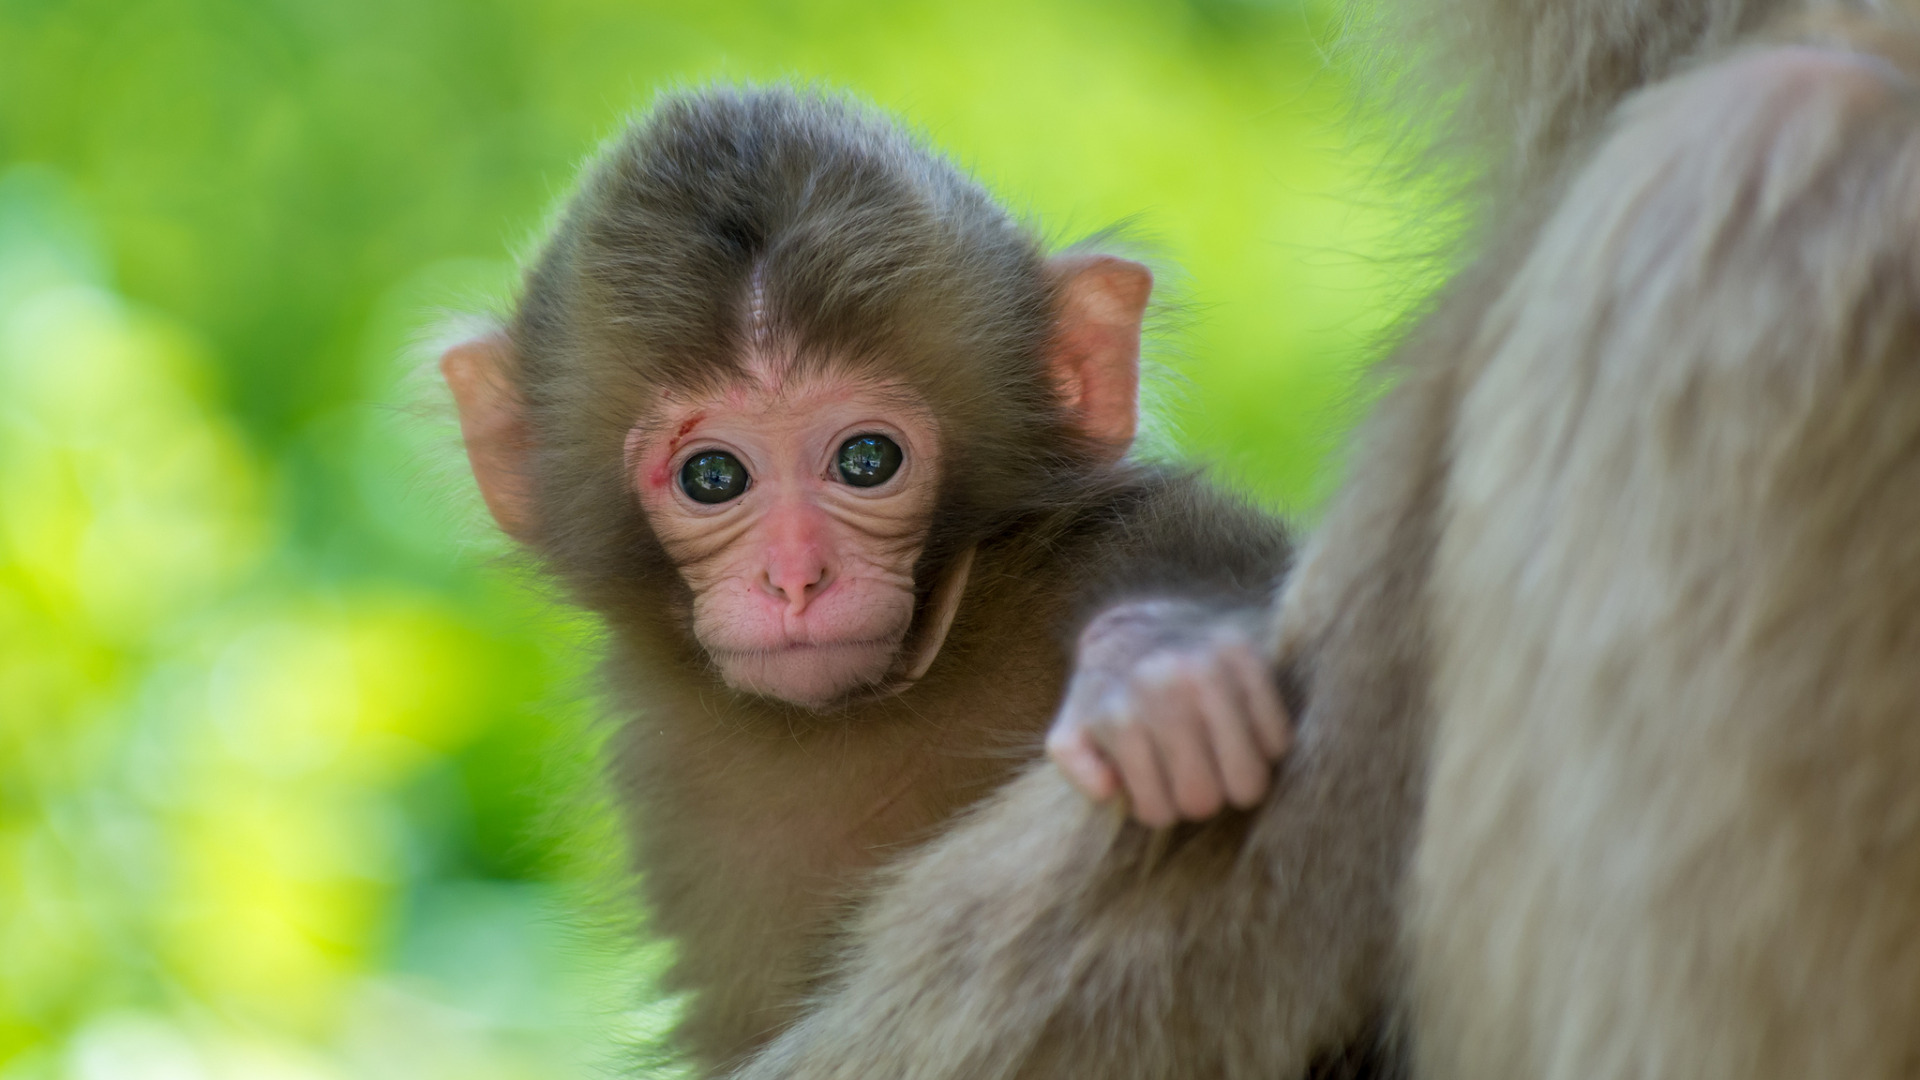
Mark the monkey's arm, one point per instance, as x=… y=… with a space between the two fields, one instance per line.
x=1169 y=703
x=1199 y=554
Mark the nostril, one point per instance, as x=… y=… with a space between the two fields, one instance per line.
x=796 y=587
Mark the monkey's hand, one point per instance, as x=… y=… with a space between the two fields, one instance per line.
x=1171 y=705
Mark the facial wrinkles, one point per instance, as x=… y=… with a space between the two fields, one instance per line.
x=869 y=551
x=786 y=431
x=872 y=604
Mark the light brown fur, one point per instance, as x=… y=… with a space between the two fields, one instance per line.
x=1610 y=643
x=1674 y=824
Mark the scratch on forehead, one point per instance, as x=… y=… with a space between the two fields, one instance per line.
x=686 y=425
x=649 y=428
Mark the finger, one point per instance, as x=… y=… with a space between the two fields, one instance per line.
x=1133 y=753
x=1244 y=770
x=1272 y=725
x=1075 y=754
x=1080 y=701
x=1180 y=734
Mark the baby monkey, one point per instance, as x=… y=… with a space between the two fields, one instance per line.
x=838 y=453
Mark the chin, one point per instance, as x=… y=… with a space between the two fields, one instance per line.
x=811 y=676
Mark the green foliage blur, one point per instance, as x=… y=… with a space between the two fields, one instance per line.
x=295 y=781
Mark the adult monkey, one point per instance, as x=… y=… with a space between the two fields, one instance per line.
x=1607 y=763
x=837 y=452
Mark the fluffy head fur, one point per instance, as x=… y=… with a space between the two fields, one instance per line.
x=729 y=218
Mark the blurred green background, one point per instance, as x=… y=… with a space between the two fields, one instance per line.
x=295 y=780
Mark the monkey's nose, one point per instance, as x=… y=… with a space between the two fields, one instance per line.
x=797 y=581
x=799 y=554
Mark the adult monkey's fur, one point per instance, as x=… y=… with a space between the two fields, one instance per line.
x=1624 y=588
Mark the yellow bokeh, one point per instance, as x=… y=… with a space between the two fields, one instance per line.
x=199 y=751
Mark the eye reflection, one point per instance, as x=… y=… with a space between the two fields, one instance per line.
x=868 y=460
x=713 y=477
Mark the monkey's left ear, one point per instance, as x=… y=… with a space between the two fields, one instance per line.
x=1094 y=357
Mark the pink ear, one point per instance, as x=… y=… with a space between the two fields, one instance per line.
x=479 y=371
x=1095 y=353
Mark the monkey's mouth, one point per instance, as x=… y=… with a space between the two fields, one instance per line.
x=735 y=655
x=809 y=673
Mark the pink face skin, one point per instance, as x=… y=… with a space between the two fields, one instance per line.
x=803 y=584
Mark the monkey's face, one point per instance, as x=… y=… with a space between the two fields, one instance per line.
x=795 y=507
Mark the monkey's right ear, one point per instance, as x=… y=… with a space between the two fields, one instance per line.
x=1095 y=354
x=493 y=424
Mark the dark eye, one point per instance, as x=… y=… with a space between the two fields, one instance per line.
x=869 y=460
x=713 y=477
